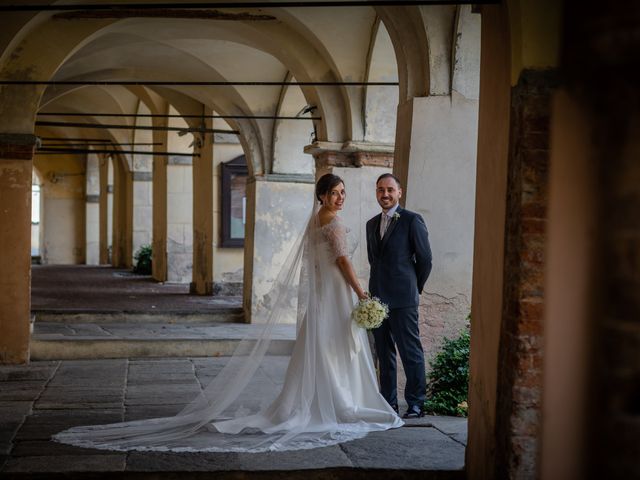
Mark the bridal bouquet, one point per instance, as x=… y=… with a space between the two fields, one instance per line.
x=369 y=313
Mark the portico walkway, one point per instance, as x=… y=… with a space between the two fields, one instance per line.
x=84 y=313
x=46 y=397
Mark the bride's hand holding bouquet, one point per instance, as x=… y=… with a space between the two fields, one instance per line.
x=369 y=313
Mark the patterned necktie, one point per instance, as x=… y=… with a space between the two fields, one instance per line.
x=384 y=224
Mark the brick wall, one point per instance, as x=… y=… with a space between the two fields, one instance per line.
x=520 y=354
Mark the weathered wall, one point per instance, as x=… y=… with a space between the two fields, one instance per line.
x=359 y=207
x=290 y=136
x=381 y=102
x=441 y=187
x=282 y=208
x=63 y=216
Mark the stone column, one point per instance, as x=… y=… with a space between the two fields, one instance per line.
x=159 y=203
x=436 y=145
x=103 y=206
x=179 y=220
x=122 y=216
x=202 y=273
x=111 y=175
x=278 y=207
x=16 y=163
x=142 y=209
x=92 y=210
x=142 y=189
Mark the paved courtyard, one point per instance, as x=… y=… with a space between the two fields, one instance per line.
x=46 y=397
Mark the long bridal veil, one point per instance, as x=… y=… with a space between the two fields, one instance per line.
x=228 y=415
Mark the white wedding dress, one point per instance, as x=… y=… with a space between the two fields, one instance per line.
x=329 y=393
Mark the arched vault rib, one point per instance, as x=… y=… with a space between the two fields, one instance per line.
x=219 y=99
x=285 y=44
x=276 y=38
x=408 y=34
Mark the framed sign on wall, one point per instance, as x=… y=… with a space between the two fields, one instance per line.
x=234 y=202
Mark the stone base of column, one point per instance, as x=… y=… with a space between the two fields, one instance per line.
x=278 y=208
x=205 y=289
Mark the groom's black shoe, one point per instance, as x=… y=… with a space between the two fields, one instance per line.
x=413 y=411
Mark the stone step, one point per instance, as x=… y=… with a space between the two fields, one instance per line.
x=80 y=341
x=219 y=315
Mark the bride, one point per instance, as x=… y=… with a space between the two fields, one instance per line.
x=329 y=393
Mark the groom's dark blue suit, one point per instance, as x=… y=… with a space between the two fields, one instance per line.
x=400 y=265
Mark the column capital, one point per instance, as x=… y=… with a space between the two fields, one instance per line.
x=17 y=146
x=351 y=154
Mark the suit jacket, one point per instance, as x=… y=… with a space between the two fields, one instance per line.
x=401 y=261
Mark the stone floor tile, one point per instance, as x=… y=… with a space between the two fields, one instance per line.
x=8 y=431
x=159 y=400
x=71 y=381
x=158 y=380
x=325 y=457
x=66 y=404
x=141 y=412
x=181 y=462
x=47 y=447
x=20 y=394
x=66 y=463
x=41 y=427
x=32 y=372
x=415 y=448
x=42 y=417
x=14 y=411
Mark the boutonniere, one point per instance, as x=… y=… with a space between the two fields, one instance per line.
x=396 y=216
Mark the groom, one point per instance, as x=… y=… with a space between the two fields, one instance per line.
x=400 y=259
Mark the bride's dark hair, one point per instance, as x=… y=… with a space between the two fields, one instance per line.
x=326 y=183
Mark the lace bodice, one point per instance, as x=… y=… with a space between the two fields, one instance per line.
x=335 y=233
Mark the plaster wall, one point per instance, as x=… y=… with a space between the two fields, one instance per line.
x=281 y=212
x=441 y=187
x=466 y=53
x=92 y=212
x=63 y=218
x=291 y=136
x=227 y=262
x=381 y=102
x=360 y=206
x=142 y=212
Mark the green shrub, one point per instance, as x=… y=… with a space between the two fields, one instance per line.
x=143 y=260
x=448 y=381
